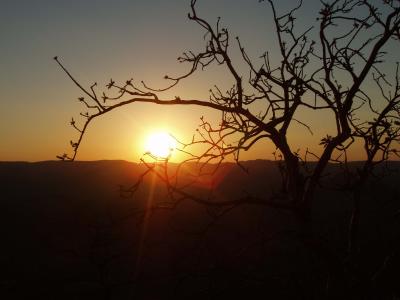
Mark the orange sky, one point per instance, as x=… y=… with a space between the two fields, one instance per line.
x=139 y=39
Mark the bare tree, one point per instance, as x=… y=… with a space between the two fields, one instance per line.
x=330 y=67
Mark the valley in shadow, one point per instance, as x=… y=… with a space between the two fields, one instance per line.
x=68 y=233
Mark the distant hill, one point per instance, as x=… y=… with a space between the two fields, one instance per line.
x=66 y=233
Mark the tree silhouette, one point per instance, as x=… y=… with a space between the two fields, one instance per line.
x=331 y=68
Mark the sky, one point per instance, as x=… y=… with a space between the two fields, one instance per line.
x=121 y=39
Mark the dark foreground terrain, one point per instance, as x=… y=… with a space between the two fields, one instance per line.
x=66 y=233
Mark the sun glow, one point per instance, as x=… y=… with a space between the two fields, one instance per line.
x=160 y=145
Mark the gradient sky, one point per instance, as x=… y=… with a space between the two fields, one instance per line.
x=98 y=40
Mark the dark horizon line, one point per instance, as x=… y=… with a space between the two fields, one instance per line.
x=133 y=162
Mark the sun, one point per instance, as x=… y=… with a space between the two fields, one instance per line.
x=160 y=145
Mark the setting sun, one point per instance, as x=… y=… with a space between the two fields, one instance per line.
x=160 y=145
